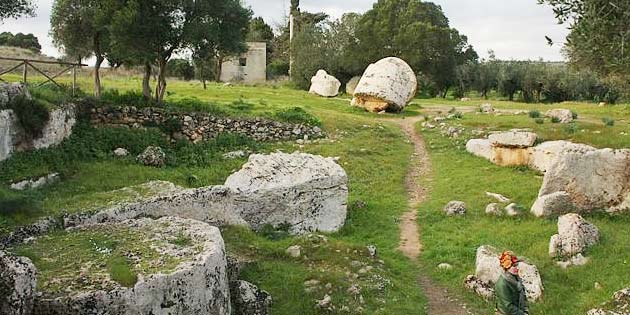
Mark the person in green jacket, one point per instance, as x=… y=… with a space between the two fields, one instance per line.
x=509 y=289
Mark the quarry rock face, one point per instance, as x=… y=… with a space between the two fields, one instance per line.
x=574 y=236
x=198 y=285
x=307 y=192
x=563 y=116
x=593 y=179
x=387 y=85
x=17 y=285
x=9 y=91
x=325 y=85
x=351 y=86
x=488 y=270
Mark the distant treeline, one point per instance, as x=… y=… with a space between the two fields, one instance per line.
x=26 y=41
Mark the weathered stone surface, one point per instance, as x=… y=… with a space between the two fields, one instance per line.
x=593 y=180
x=196 y=286
x=574 y=236
x=513 y=139
x=564 y=116
x=17 y=285
x=488 y=270
x=498 y=197
x=387 y=85
x=351 y=86
x=9 y=133
x=36 y=183
x=248 y=299
x=38 y=228
x=455 y=208
x=324 y=84
x=152 y=156
x=513 y=210
x=486 y=108
x=553 y=204
x=58 y=128
x=308 y=192
x=502 y=156
x=494 y=209
x=9 y=91
x=546 y=153
x=620 y=305
x=294 y=251
x=481 y=148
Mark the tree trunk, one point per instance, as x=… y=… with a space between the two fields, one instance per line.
x=160 y=89
x=97 y=76
x=219 y=66
x=146 y=80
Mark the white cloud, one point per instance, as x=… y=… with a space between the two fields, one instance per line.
x=514 y=29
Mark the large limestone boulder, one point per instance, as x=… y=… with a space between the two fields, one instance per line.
x=308 y=192
x=17 y=285
x=620 y=305
x=574 y=236
x=488 y=270
x=513 y=139
x=9 y=133
x=593 y=180
x=481 y=148
x=553 y=204
x=58 y=127
x=197 y=285
x=351 y=86
x=564 y=116
x=545 y=154
x=9 y=91
x=325 y=85
x=387 y=85
x=497 y=154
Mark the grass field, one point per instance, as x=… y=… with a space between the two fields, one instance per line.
x=375 y=155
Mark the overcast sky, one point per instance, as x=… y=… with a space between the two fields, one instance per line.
x=514 y=29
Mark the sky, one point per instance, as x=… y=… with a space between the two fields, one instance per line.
x=513 y=29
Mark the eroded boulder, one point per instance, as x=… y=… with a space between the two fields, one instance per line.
x=592 y=180
x=387 y=85
x=553 y=204
x=455 y=208
x=324 y=84
x=17 y=285
x=563 y=116
x=574 y=236
x=351 y=86
x=488 y=270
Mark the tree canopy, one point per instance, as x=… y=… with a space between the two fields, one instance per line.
x=26 y=41
x=16 y=8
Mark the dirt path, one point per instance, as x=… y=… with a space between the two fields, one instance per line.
x=440 y=301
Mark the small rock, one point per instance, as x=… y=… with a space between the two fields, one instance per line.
x=494 y=209
x=325 y=302
x=294 y=251
x=598 y=286
x=513 y=210
x=445 y=266
x=235 y=155
x=372 y=251
x=455 y=208
x=498 y=197
x=152 y=156
x=121 y=152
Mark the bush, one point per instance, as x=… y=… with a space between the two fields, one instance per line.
x=128 y=98
x=574 y=114
x=297 y=115
x=33 y=115
x=534 y=114
x=555 y=120
x=608 y=121
x=277 y=68
x=539 y=121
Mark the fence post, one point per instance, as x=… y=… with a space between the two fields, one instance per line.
x=74 y=80
x=25 y=72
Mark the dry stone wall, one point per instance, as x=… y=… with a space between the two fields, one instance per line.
x=198 y=127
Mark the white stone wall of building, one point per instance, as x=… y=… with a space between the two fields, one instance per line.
x=255 y=68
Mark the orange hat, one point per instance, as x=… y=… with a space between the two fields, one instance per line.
x=508 y=259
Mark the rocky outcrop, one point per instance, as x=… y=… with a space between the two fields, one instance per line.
x=574 y=236
x=9 y=91
x=248 y=299
x=17 y=285
x=152 y=156
x=351 y=86
x=591 y=180
x=307 y=192
x=325 y=85
x=387 y=85
x=488 y=270
x=198 y=285
x=563 y=116
x=620 y=305
x=197 y=127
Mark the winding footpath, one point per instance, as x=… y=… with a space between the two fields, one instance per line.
x=440 y=302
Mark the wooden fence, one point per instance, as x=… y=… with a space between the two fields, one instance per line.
x=26 y=63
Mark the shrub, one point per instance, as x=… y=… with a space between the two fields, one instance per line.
x=608 y=121
x=574 y=114
x=534 y=114
x=555 y=120
x=539 y=121
x=571 y=128
x=298 y=115
x=458 y=115
x=278 y=68
x=32 y=115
